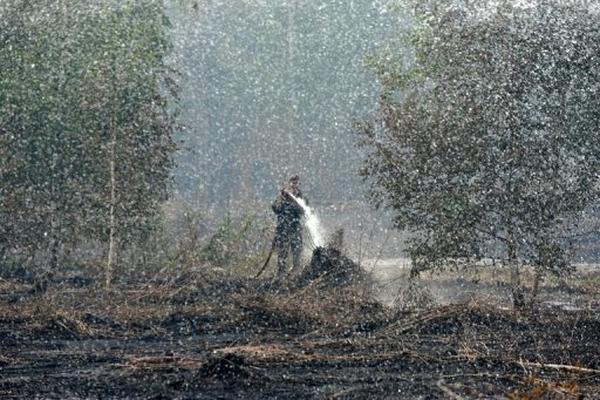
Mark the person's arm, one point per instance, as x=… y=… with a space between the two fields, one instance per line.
x=277 y=205
x=295 y=205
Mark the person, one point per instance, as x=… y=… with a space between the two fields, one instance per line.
x=288 y=234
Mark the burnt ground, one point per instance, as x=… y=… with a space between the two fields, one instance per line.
x=232 y=339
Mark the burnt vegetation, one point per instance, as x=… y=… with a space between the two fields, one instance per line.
x=219 y=340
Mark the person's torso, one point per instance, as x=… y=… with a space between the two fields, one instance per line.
x=290 y=217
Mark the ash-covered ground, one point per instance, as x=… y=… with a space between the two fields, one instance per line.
x=232 y=338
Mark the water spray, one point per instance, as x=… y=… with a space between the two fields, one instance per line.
x=311 y=220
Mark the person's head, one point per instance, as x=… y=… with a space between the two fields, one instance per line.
x=295 y=181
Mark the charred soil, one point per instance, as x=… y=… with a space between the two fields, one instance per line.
x=245 y=340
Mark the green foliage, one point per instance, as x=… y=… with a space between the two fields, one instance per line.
x=196 y=240
x=487 y=143
x=399 y=70
x=226 y=246
x=74 y=75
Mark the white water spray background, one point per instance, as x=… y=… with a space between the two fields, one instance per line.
x=311 y=221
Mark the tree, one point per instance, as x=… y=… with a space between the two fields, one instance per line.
x=130 y=106
x=88 y=114
x=487 y=141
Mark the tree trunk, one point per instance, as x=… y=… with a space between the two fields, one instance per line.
x=536 y=285
x=515 y=275
x=41 y=283
x=54 y=252
x=111 y=220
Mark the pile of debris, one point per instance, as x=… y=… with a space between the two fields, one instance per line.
x=330 y=267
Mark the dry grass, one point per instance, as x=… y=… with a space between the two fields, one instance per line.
x=242 y=333
x=160 y=363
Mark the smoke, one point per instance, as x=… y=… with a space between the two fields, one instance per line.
x=312 y=222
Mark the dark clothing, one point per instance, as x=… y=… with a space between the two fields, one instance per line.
x=289 y=214
x=288 y=234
